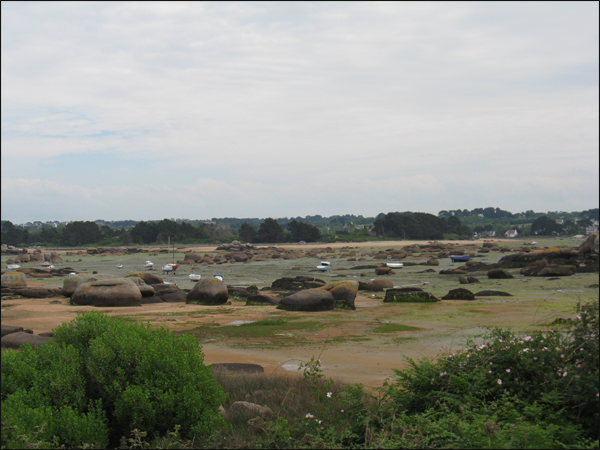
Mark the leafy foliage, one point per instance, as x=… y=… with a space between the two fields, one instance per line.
x=102 y=378
x=270 y=231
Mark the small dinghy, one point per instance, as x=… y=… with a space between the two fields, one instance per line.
x=149 y=264
x=195 y=277
x=325 y=263
x=119 y=266
x=323 y=268
x=220 y=277
x=50 y=267
x=395 y=265
x=13 y=266
x=456 y=258
x=46 y=264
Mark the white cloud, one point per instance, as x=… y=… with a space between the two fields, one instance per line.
x=309 y=103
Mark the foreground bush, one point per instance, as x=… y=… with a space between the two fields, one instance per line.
x=102 y=378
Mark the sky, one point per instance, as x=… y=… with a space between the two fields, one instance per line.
x=144 y=111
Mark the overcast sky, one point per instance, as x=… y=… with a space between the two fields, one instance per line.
x=197 y=110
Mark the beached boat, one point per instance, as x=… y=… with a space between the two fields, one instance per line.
x=13 y=266
x=395 y=265
x=459 y=258
x=168 y=268
x=220 y=277
x=119 y=266
x=46 y=264
x=195 y=277
x=149 y=264
x=325 y=263
x=323 y=268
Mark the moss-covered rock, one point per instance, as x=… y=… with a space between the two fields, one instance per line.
x=396 y=295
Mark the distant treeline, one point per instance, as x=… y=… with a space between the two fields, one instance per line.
x=398 y=225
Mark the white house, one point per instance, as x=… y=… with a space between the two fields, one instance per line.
x=511 y=233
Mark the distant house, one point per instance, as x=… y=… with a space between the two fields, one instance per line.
x=511 y=233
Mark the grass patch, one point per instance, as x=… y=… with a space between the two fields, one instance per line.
x=267 y=328
x=393 y=327
x=402 y=340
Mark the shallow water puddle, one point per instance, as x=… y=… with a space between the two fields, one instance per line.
x=237 y=323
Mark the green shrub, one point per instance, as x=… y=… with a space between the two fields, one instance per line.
x=110 y=377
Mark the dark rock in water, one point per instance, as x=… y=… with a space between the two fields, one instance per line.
x=296 y=284
x=499 y=274
x=370 y=266
x=384 y=271
x=308 y=300
x=261 y=299
x=210 y=291
x=238 y=367
x=554 y=270
x=490 y=293
x=8 y=329
x=15 y=340
x=396 y=295
x=459 y=294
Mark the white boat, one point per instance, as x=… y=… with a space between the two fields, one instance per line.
x=119 y=266
x=220 y=277
x=195 y=277
x=533 y=242
x=395 y=265
x=13 y=266
x=149 y=264
x=323 y=268
x=325 y=263
x=72 y=273
x=50 y=267
x=46 y=264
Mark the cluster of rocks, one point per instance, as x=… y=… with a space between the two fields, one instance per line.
x=14 y=337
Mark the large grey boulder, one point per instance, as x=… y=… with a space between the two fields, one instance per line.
x=108 y=292
x=149 y=278
x=308 y=300
x=8 y=329
x=591 y=244
x=13 y=279
x=210 y=291
x=382 y=283
x=344 y=293
x=15 y=340
x=72 y=282
x=145 y=289
x=246 y=411
x=169 y=293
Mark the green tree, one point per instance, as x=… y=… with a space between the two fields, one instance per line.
x=80 y=233
x=247 y=232
x=544 y=225
x=302 y=231
x=270 y=231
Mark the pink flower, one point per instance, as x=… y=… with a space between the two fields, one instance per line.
x=319 y=361
x=535 y=358
x=489 y=371
x=565 y=374
x=499 y=381
x=309 y=416
x=508 y=370
x=528 y=338
x=341 y=410
x=490 y=364
x=562 y=356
